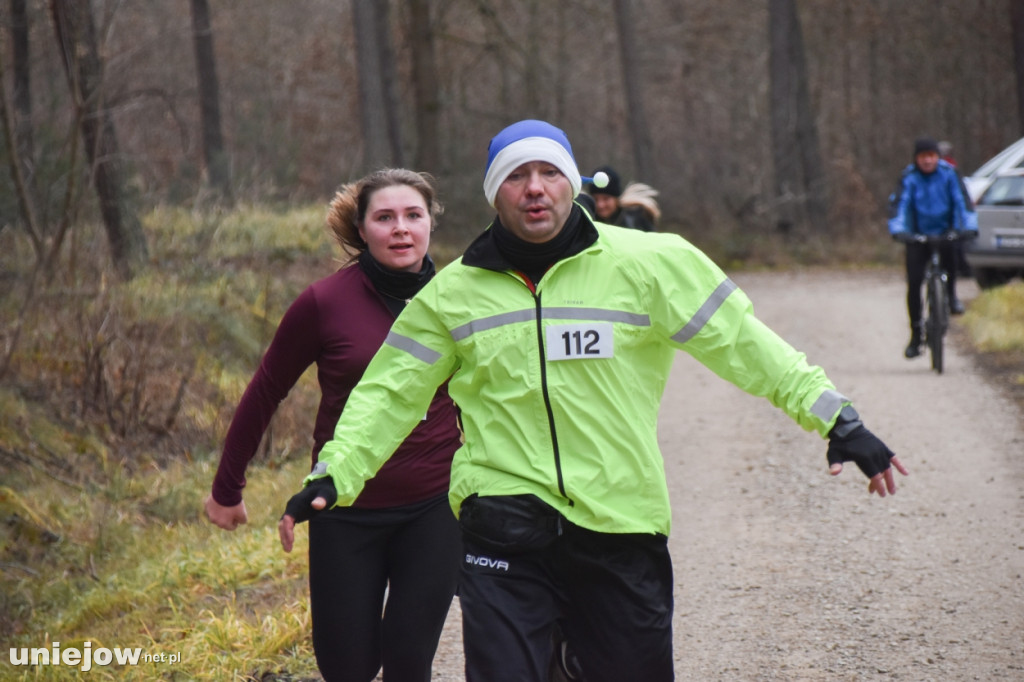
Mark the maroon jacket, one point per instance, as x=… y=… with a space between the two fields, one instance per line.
x=339 y=323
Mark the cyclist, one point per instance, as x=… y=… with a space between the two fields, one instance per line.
x=930 y=200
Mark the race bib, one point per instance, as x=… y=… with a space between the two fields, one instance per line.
x=585 y=341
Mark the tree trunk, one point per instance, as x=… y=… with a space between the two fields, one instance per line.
x=382 y=22
x=218 y=172
x=426 y=87
x=16 y=165
x=799 y=175
x=533 y=64
x=17 y=126
x=1017 y=24
x=76 y=39
x=372 y=97
x=22 y=94
x=633 y=83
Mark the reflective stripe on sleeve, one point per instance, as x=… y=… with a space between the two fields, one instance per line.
x=413 y=348
x=827 y=404
x=704 y=313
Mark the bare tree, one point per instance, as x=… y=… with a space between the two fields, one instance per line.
x=1017 y=24
x=45 y=245
x=76 y=39
x=632 y=77
x=22 y=92
x=425 y=86
x=799 y=175
x=16 y=123
x=386 y=55
x=877 y=73
x=218 y=172
x=372 y=86
x=17 y=167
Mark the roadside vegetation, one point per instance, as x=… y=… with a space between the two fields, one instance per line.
x=995 y=319
x=114 y=398
x=113 y=405
x=995 y=328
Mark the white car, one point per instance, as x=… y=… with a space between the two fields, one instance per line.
x=1010 y=158
x=998 y=253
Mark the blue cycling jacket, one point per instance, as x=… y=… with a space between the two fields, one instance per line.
x=931 y=204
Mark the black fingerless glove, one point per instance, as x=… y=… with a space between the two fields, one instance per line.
x=850 y=441
x=300 y=506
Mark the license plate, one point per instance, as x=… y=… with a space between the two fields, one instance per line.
x=1008 y=242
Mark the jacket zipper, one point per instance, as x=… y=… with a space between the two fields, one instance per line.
x=547 y=401
x=532 y=288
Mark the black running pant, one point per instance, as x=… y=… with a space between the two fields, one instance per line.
x=354 y=554
x=918 y=256
x=612 y=594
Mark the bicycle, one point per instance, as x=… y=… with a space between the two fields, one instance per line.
x=937 y=294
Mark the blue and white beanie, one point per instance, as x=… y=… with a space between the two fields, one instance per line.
x=527 y=141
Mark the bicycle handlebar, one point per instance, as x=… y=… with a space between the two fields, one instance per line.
x=949 y=236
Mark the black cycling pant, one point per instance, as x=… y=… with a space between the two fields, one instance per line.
x=354 y=554
x=917 y=258
x=610 y=593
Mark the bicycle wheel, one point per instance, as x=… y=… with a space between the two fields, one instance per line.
x=935 y=327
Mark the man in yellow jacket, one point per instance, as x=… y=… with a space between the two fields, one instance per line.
x=557 y=334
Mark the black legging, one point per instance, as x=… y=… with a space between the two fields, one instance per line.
x=917 y=259
x=354 y=554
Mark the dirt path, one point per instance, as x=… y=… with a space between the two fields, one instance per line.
x=783 y=573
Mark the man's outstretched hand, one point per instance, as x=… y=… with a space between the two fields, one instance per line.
x=850 y=441
x=303 y=505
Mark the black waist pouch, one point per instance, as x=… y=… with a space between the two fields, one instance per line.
x=509 y=523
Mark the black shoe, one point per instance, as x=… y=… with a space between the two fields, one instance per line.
x=956 y=306
x=916 y=339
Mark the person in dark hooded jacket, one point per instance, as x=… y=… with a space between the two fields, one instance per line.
x=634 y=207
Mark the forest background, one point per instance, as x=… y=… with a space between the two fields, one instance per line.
x=749 y=117
x=170 y=163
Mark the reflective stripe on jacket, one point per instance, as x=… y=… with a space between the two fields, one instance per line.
x=559 y=389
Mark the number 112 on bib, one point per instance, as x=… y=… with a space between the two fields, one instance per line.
x=586 y=341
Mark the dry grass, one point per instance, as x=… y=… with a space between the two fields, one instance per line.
x=138 y=568
x=996 y=319
x=113 y=410
x=994 y=326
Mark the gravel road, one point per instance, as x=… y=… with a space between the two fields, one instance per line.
x=784 y=573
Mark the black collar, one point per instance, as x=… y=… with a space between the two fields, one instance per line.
x=396 y=287
x=483 y=252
